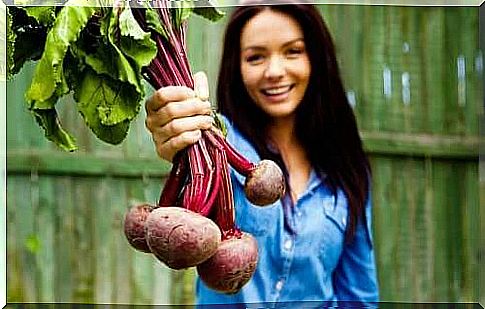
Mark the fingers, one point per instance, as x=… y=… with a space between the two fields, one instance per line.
x=167 y=150
x=201 y=86
x=176 y=110
x=168 y=94
x=176 y=115
x=181 y=125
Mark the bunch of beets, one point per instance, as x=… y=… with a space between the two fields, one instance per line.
x=193 y=224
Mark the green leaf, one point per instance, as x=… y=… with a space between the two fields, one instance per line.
x=44 y=15
x=219 y=123
x=153 y=22
x=135 y=42
x=98 y=97
x=48 y=120
x=25 y=39
x=181 y=11
x=116 y=69
x=11 y=37
x=48 y=84
x=208 y=11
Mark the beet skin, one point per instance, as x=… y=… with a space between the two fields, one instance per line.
x=265 y=184
x=134 y=226
x=233 y=264
x=181 y=238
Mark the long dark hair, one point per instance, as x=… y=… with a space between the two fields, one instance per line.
x=325 y=123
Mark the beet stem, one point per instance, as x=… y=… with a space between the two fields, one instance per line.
x=242 y=165
x=174 y=183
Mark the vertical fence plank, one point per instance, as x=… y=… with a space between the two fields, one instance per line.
x=15 y=287
x=453 y=110
x=120 y=260
x=429 y=221
x=433 y=59
x=45 y=230
x=473 y=72
x=441 y=269
x=383 y=224
x=84 y=255
x=374 y=58
x=64 y=240
x=104 y=282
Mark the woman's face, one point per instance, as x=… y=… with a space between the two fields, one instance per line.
x=275 y=66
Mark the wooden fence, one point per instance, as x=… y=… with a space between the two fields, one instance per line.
x=414 y=77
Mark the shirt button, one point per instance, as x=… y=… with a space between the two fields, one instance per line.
x=288 y=244
x=298 y=213
x=344 y=221
x=279 y=285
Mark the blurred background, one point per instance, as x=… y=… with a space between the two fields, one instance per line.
x=414 y=76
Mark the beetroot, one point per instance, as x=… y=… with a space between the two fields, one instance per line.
x=265 y=184
x=134 y=226
x=233 y=264
x=181 y=238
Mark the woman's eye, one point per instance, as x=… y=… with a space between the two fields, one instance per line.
x=295 y=51
x=254 y=59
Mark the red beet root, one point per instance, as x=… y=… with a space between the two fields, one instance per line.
x=134 y=226
x=265 y=184
x=233 y=264
x=181 y=238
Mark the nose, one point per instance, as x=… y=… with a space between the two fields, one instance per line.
x=275 y=68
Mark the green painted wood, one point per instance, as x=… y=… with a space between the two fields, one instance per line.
x=16 y=286
x=438 y=146
x=423 y=231
x=45 y=229
x=61 y=163
x=480 y=283
x=120 y=260
x=432 y=54
x=64 y=241
x=102 y=241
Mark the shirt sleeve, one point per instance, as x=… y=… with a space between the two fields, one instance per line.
x=355 y=277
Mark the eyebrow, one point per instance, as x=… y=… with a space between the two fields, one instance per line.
x=257 y=47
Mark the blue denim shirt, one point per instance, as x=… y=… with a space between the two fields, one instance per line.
x=313 y=264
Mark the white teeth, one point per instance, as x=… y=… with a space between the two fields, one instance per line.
x=278 y=90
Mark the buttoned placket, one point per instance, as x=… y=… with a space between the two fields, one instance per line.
x=289 y=243
x=287 y=251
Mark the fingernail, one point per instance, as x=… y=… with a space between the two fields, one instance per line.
x=201 y=86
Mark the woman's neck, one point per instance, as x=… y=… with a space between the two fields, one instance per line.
x=283 y=135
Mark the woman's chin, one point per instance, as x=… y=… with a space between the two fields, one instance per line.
x=280 y=112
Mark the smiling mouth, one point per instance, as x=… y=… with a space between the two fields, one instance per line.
x=274 y=91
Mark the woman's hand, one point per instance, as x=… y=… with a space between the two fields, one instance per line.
x=177 y=114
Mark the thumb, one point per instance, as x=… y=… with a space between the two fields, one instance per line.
x=201 y=86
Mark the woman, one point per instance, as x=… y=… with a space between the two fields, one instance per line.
x=282 y=99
